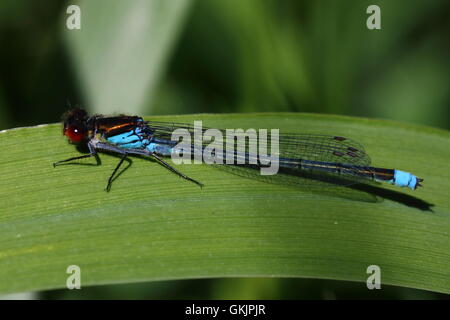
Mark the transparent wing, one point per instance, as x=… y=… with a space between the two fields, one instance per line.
x=314 y=147
x=293 y=147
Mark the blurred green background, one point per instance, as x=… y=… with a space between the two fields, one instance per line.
x=184 y=56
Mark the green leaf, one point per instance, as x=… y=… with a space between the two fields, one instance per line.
x=154 y=225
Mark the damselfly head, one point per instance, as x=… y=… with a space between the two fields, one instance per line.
x=75 y=127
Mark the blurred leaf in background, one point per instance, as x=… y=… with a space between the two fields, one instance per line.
x=243 y=288
x=184 y=56
x=313 y=56
x=122 y=48
x=36 y=78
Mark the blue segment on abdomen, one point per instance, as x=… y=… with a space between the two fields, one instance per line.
x=162 y=149
x=404 y=179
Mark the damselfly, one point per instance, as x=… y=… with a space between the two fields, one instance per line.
x=326 y=158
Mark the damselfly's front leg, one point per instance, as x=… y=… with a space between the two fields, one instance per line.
x=100 y=146
x=92 y=153
x=93 y=147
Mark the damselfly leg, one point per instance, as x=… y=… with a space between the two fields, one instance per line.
x=168 y=166
x=100 y=146
x=110 y=180
x=76 y=158
x=92 y=153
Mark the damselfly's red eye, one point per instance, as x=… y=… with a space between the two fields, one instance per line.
x=75 y=134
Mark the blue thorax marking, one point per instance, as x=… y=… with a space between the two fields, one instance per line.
x=134 y=139
x=130 y=139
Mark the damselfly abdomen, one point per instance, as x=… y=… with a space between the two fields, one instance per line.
x=333 y=159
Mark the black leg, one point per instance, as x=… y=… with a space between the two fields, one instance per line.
x=110 y=180
x=75 y=158
x=100 y=146
x=147 y=153
x=168 y=166
x=92 y=153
